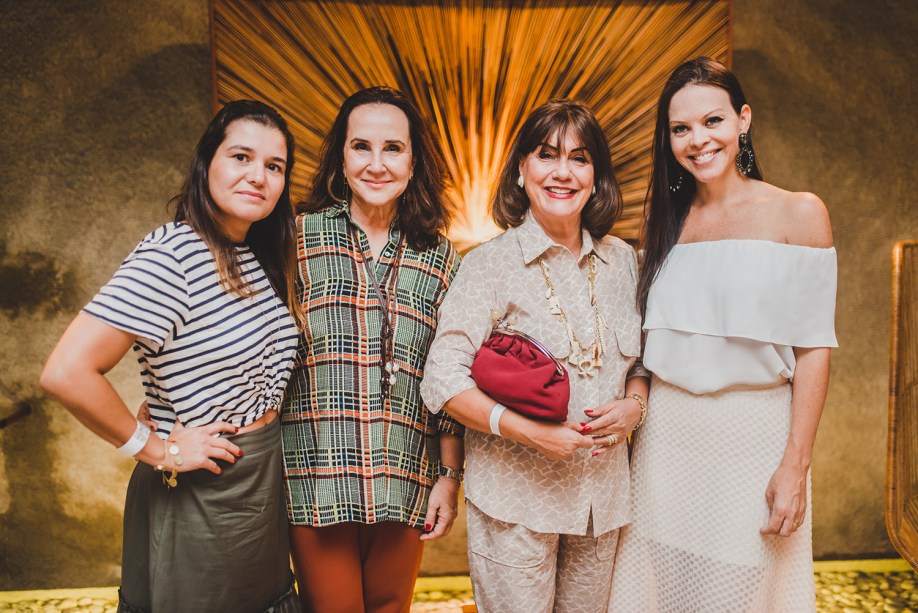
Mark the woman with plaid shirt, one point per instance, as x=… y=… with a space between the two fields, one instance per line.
x=370 y=473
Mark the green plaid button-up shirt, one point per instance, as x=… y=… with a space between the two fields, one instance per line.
x=352 y=454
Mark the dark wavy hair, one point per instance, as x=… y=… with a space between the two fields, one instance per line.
x=665 y=210
x=421 y=212
x=552 y=121
x=272 y=239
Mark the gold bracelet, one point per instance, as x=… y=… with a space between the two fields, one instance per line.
x=169 y=447
x=643 y=404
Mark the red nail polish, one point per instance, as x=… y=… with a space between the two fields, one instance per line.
x=240 y=453
x=594 y=454
x=588 y=411
x=427 y=527
x=587 y=428
x=236 y=430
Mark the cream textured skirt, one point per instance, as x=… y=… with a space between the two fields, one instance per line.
x=700 y=467
x=214 y=543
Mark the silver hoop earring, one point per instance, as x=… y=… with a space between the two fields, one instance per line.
x=745 y=148
x=675 y=187
x=520 y=182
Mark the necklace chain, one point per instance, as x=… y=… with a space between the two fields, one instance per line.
x=585 y=358
x=389 y=368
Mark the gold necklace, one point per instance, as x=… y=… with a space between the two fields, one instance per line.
x=585 y=358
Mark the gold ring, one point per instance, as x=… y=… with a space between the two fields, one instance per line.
x=612 y=439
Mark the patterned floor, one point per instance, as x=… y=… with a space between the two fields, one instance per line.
x=841 y=587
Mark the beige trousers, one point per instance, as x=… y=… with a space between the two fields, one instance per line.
x=516 y=570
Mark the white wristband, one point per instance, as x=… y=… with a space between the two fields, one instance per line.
x=496 y=411
x=134 y=444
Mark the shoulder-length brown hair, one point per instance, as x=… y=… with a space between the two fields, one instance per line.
x=272 y=239
x=421 y=212
x=550 y=124
x=666 y=209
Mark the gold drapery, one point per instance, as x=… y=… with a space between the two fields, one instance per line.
x=475 y=68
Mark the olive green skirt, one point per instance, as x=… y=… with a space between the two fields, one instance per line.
x=215 y=542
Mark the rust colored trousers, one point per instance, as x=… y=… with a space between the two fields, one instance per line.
x=356 y=568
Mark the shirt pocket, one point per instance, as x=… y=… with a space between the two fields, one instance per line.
x=548 y=330
x=511 y=545
x=628 y=335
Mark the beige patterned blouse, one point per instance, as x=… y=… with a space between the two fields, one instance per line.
x=509 y=481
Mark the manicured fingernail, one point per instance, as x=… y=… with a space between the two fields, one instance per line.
x=236 y=430
x=427 y=527
x=588 y=411
x=240 y=453
x=587 y=428
x=595 y=453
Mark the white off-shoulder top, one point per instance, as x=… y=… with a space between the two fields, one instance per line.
x=729 y=313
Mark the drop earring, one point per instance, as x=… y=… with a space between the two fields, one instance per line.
x=745 y=148
x=520 y=182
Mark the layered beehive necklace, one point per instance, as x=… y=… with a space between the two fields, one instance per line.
x=389 y=368
x=587 y=358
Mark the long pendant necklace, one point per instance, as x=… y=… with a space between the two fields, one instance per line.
x=389 y=368
x=586 y=358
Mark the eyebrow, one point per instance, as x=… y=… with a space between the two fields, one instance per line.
x=582 y=148
x=250 y=150
x=708 y=114
x=388 y=142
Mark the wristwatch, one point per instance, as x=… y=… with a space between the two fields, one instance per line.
x=452 y=473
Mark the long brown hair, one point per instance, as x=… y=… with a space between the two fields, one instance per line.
x=553 y=120
x=421 y=213
x=665 y=210
x=272 y=239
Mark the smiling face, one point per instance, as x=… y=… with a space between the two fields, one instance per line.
x=377 y=156
x=704 y=131
x=246 y=176
x=558 y=179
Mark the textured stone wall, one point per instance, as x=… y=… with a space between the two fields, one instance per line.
x=101 y=102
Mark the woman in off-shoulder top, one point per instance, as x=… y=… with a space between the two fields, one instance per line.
x=738 y=295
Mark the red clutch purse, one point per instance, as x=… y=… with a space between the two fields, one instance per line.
x=519 y=372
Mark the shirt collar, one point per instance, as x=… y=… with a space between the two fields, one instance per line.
x=339 y=208
x=534 y=242
x=343 y=209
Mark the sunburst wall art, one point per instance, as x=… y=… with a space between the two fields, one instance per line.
x=475 y=68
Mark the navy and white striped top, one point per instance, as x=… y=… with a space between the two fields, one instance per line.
x=205 y=354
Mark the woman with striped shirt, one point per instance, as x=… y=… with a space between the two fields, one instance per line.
x=205 y=302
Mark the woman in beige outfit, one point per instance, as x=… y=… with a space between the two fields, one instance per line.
x=545 y=500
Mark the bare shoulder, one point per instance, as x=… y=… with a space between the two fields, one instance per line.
x=803 y=218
